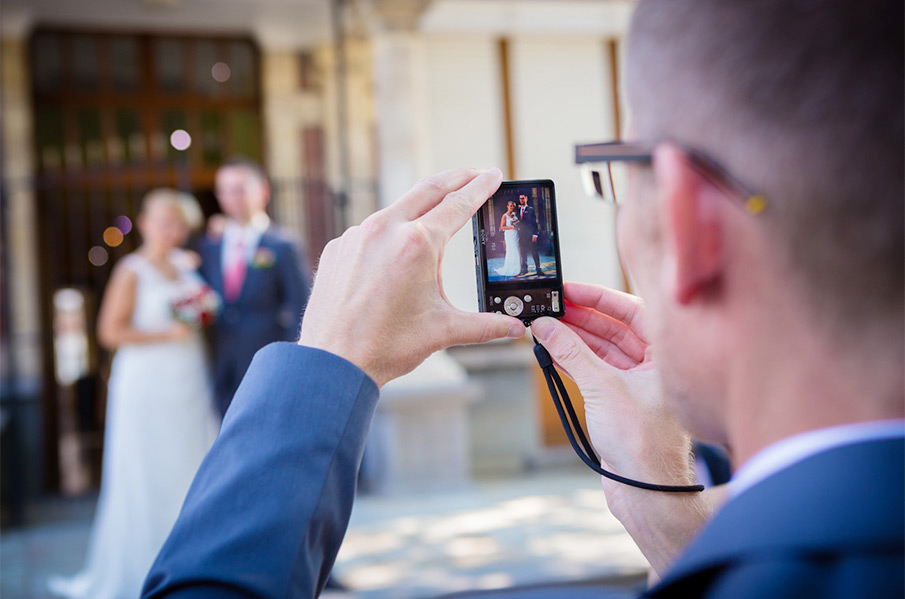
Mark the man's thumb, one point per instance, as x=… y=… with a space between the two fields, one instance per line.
x=483 y=327
x=570 y=353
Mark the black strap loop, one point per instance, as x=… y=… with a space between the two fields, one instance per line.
x=563 y=405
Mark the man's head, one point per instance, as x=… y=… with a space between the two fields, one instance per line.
x=242 y=190
x=802 y=101
x=523 y=200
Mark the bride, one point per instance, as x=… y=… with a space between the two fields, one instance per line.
x=160 y=419
x=508 y=224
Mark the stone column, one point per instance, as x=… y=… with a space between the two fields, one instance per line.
x=399 y=95
x=20 y=377
x=420 y=437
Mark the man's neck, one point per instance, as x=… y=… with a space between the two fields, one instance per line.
x=259 y=221
x=799 y=382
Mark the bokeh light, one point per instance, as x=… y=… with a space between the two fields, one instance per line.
x=113 y=236
x=97 y=256
x=180 y=139
x=123 y=224
x=221 y=72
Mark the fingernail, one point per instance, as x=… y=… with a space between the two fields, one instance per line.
x=517 y=330
x=542 y=329
x=495 y=171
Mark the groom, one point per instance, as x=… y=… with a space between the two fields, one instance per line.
x=527 y=239
x=260 y=272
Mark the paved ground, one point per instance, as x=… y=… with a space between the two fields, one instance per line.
x=551 y=527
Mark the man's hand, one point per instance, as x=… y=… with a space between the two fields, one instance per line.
x=378 y=299
x=602 y=345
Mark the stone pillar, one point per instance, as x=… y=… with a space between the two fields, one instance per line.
x=286 y=110
x=420 y=437
x=18 y=174
x=400 y=98
x=20 y=361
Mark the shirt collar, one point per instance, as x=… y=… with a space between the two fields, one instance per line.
x=788 y=451
x=249 y=232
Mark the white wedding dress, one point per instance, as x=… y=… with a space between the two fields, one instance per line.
x=160 y=424
x=513 y=263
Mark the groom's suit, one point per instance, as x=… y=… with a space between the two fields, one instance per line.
x=268 y=308
x=269 y=507
x=527 y=230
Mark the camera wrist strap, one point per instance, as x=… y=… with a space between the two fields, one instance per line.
x=564 y=405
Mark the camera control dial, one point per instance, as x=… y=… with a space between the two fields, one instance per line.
x=513 y=305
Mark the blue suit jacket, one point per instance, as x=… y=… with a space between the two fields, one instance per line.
x=528 y=222
x=269 y=507
x=831 y=526
x=268 y=309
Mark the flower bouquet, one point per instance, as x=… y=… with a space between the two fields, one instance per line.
x=197 y=309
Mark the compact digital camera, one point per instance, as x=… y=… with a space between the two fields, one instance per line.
x=516 y=244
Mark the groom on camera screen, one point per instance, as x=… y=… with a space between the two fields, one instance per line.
x=528 y=235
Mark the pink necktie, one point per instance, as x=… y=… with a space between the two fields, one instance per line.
x=521 y=214
x=235 y=274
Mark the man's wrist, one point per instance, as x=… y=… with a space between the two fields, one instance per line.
x=661 y=524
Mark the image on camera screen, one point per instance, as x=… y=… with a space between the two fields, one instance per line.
x=519 y=228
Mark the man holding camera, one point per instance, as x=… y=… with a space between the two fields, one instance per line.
x=762 y=221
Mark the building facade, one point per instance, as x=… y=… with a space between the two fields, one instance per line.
x=346 y=103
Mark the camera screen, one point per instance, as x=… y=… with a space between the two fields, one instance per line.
x=519 y=227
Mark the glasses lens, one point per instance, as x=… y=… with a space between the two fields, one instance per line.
x=604 y=180
x=590 y=180
x=617 y=181
x=596 y=180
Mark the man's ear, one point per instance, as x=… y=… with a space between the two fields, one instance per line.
x=265 y=194
x=691 y=226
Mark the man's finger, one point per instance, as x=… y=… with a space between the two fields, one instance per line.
x=456 y=209
x=429 y=192
x=605 y=328
x=622 y=306
x=606 y=350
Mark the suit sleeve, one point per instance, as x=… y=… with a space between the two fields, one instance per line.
x=205 y=250
x=270 y=504
x=295 y=282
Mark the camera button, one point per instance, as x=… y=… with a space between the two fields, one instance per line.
x=528 y=298
x=497 y=300
x=513 y=306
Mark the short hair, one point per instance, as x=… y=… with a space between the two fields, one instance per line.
x=803 y=101
x=184 y=203
x=253 y=168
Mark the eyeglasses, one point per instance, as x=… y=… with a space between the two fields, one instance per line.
x=604 y=168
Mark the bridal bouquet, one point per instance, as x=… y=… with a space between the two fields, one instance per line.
x=198 y=309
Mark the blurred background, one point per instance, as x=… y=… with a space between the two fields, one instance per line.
x=346 y=103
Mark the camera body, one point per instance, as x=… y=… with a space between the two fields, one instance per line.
x=516 y=242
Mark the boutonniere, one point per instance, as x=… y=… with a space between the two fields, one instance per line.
x=263 y=258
